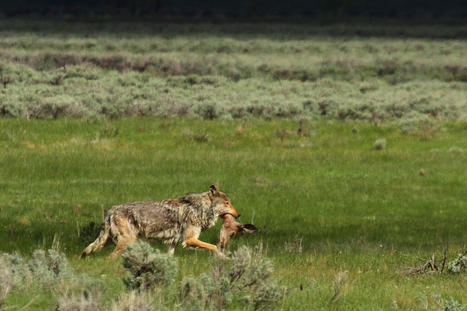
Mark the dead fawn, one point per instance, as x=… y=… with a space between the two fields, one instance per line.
x=231 y=227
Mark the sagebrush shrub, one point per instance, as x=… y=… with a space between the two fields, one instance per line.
x=192 y=293
x=49 y=268
x=50 y=271
x=455 y=149
x=379 y=144
x=458 y=265
x=415 y=121
x=19 y=271
x=6 y=281
x=251 y=277
x=246 y=278
x=436 y=302
x=452 y=305
x=147 y=267
x=85 y=301
x=87 y=284
x=135 y=301
x=209 y=291
x=207 y=111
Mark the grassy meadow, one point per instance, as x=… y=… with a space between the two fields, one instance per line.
x=345 y=145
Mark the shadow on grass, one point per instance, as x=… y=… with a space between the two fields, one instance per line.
x=397 y=234
x=66 y=237
x=282 y=30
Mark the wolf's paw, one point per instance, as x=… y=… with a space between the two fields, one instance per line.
x=222 y=256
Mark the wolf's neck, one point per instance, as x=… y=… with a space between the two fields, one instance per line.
x=209 y=216
x=202 y=211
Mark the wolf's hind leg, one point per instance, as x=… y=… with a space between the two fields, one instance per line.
x=122 y=244
x=125 y=233
x=99 y=242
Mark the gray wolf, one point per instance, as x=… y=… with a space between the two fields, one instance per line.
x=230 y=227
x=173 y=220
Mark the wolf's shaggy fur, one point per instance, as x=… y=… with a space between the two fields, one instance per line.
x=173 y=220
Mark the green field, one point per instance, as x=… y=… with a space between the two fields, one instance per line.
x=284 y=118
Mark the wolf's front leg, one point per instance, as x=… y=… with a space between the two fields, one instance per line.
x=194 y=242
x=171 y=249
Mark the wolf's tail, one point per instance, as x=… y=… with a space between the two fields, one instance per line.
x=100 y=241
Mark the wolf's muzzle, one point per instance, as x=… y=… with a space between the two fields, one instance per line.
x=222 y=215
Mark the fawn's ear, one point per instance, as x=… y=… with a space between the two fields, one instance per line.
x=249 y=228
x=214 y=189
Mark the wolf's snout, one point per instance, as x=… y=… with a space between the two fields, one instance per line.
x=238 y=216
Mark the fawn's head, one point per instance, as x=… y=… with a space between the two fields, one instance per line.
x=231 y=227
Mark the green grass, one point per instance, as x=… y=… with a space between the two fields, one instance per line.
x=223 y=104
x=368 y=212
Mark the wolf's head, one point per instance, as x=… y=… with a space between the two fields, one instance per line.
x=221 y=202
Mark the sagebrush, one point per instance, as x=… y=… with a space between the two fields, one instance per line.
x=84 y=71
x=148 y=267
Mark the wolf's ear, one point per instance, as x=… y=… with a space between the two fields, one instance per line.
x=214 y=189
x=249 y=228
